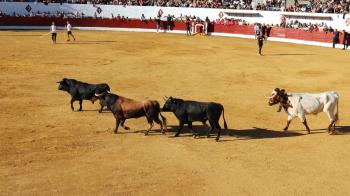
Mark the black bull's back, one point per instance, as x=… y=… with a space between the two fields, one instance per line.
x=190 y=111
x=87 y=91
x=201 y=111
x=80 y=91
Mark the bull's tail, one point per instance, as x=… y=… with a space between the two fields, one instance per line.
x=337 y=112
x=223 y=116
x=157 y=105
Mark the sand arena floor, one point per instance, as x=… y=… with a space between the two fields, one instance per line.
x=46 y=149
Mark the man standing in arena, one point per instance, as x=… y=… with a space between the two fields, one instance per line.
x=335 y=38
x=345 y=40
x=53 y=32
x=188 y=26
x=169 y=22
x=69 y=31
x=260 y=39
x=158 y=23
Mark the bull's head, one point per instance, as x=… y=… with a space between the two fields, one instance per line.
x=99 y=94
x=169 y=104
x=277 y=96
x=64 y=84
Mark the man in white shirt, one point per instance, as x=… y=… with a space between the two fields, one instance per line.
x=257 y=30
x=69 y=31
x=53 y=32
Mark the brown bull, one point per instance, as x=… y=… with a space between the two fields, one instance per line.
x=124 y=108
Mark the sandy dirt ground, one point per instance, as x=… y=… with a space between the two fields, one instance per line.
x=46 y=149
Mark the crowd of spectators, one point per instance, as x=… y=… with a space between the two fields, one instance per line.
x=295 y=24
x=314 y=6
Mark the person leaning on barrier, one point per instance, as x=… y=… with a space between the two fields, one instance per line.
x=188 y=26
x=168 y=22
x=268 y=31
x=257 y=30
x=345 y=40
x=335 y=38
x=207 y=23
x=158 y=23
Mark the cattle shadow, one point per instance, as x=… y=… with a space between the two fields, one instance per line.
x=103 y=41
x=81 y=43
x=243 y=134
x=286 y=54
x=261 y=133
x=342 y=130
x=93 y=110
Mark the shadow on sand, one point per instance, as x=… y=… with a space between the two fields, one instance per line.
x=342 y=130
x=288 y=54
x=24 y=35
x=227 y=135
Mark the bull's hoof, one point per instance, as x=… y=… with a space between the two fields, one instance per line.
x=163 y=132
x=208 y=136
x=285 y=129
x=217 y=139
x=308 y=132
x=126 y=128
x=176 y=135
x=80 y=110
x=332 y=132
x=146 y=133
x=100 y=111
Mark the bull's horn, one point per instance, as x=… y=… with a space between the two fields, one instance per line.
x=58 y=82
x=274 y=94
x=108 y=92
x=97 y=95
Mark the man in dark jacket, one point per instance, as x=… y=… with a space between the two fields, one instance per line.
x=345 y=40
x=335 y=38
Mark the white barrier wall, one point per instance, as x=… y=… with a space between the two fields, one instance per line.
x=106 y=11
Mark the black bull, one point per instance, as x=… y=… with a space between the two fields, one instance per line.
x=190 y=111
x=80 y=91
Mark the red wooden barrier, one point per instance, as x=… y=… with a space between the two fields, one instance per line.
x=150 y=24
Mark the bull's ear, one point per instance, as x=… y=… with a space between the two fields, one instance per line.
x=283 y=91
x=277 y=90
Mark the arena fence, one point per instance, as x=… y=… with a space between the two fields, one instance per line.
x=233 y=30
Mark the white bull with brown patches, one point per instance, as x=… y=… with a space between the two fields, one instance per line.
x=301 y=104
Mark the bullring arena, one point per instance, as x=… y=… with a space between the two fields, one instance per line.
x=47 y=149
